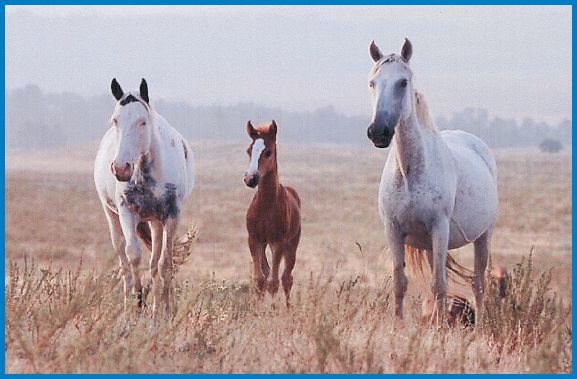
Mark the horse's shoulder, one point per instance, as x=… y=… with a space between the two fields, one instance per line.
x=292 y=193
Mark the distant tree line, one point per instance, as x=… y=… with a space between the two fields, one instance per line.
x=500 y=132
x=37 y=120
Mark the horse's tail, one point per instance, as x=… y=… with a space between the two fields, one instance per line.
x=182 y=246
x=415 y=258
x=143 y=231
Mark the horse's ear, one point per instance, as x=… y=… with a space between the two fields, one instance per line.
x=273 y=128
x=407 y=50
x=116 y=90
x=375 y=52
x=144 y=90
x=250 y=130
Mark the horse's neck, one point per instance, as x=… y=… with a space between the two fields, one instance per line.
x=410 y=143
x=268 y=188
x=156 y=152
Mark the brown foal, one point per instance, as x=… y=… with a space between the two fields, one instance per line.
x=273 y=217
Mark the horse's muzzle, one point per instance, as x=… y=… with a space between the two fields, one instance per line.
x=252 y=179
x=123 y=174
x=381 y=137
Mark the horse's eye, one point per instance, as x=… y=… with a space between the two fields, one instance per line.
x=114 y=121
x=267 y=153
x=403 y=83
x=372 y=84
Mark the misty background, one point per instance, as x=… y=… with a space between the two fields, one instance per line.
x=503 y=73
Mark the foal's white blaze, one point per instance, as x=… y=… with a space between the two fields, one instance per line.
x=257 y=150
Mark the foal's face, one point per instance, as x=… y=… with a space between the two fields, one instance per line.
x=132 y=123
x=390 y=88
x=261 y=152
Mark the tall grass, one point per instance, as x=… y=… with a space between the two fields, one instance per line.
x=75 y=322
x=529 y=318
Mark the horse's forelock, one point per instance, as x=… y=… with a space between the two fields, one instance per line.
x=132 y=97
x=263 y=130
x=390 y=59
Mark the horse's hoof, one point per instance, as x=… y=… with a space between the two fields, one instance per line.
x=273 y=287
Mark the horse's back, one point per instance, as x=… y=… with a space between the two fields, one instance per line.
x=469 y=147
x=476 y=198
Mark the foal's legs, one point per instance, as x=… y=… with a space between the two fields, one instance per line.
x=257 y=251
x=277 y=254
x=395 y=242
x=289 y=264
x=481 y=247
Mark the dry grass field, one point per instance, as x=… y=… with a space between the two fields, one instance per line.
x=63 y=297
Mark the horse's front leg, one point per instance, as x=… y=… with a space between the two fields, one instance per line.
x=156 y=233
x=119 y=246
x=165 y=266
x=440 y=242
x=395 y=241
x=289 y=264
x=257 y=252
x=481 y=247
x=133 y=254
x=277 y=254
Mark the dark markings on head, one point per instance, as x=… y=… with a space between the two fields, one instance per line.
x=130 y=99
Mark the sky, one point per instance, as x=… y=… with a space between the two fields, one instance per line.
x=514 y=61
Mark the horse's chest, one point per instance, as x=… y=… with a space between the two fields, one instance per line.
x=414 y=208
x=268 y=224
x=150 y=202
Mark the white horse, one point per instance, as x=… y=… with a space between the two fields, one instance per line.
x=438 y=190
x=144 y=172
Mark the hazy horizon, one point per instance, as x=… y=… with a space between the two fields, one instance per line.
x=514 y=61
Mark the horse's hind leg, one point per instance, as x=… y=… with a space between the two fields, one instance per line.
x=481 y=246
x=289 y=264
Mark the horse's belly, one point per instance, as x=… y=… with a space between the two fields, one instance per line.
x=415 y=214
